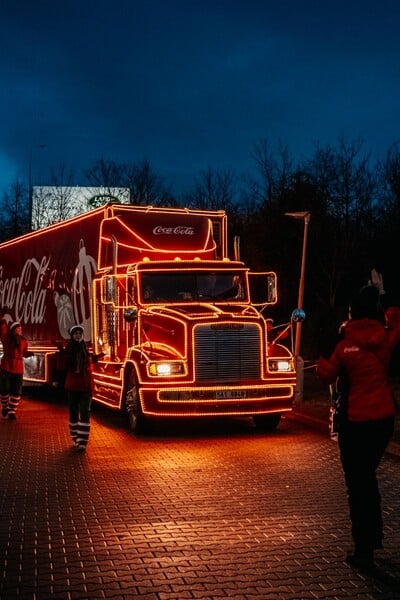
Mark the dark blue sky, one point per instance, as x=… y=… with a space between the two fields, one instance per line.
x=190 y=84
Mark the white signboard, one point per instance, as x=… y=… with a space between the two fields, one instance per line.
x=52 y=204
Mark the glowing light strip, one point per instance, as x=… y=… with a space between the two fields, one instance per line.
x=217 y=217
x=195 y=317
x=222 y=413
x=213 y=389
x=172 y=356
x=168 y=210
x=55 y=226
x=149 y=246
x=202 y=266
x=47 y=356
x=106 y=383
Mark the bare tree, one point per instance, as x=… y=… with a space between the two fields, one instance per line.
x=389 y=172
x=273 y=174
x=346 y=187
x=213 y=190
x=388 y=214
x=107 y=178
x=105 y=174
x=54 y=203
x=14 y=207
x=145 y=184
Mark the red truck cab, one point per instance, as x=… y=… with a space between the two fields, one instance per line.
x=174 y=320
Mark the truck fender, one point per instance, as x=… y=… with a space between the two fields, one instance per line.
x=137 y=423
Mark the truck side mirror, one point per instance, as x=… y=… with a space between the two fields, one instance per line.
x=130 y=315
x=263 y=288
x=271 y=288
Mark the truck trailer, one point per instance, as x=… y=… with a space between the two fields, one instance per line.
x=180 y=328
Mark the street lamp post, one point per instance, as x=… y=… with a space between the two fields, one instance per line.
x=30 y=186
x=30 y=192
x=305 y=216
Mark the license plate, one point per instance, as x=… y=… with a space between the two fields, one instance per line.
x=230 y=394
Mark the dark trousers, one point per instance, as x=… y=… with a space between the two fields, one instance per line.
x=79 y=406
x=10 y=392
x=362 y=445
x=79 y=417
x=10 y=383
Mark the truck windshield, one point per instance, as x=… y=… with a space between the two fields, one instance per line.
x=193 y=287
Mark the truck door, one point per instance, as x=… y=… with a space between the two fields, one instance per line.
x=112 y=296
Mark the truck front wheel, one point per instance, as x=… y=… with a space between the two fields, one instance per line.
x=136 y=420
x=267 y=422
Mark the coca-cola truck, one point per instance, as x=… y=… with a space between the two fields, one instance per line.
x=170 y=315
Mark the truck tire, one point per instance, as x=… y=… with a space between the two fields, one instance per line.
x=267 y=422
x=137 y=423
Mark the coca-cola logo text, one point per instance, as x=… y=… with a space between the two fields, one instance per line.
x=24 y=294
x=178 y=230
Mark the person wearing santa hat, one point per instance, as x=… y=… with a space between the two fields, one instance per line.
x=15 y=349
x=78 y=385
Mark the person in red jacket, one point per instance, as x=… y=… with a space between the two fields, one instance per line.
x=361 y=361
x=15 y=349
x=78 y=385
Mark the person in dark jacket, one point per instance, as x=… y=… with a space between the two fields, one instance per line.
x=78 y=385
x=362 y=358
x=15 y=349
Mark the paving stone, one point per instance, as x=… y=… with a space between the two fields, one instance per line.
x=212 y=511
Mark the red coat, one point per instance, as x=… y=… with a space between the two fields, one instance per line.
x=364 y=354
x=79 y=382
x=79 y=368
x=13 y=352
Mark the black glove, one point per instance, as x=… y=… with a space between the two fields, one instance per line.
x=97 y=357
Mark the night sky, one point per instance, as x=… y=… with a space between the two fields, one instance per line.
x=192 y=84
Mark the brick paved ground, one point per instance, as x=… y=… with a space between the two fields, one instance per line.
x=204 y=512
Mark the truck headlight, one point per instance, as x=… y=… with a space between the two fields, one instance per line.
x=166 y=368
x=281 y=365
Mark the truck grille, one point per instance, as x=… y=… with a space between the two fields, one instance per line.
x=227 y=352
